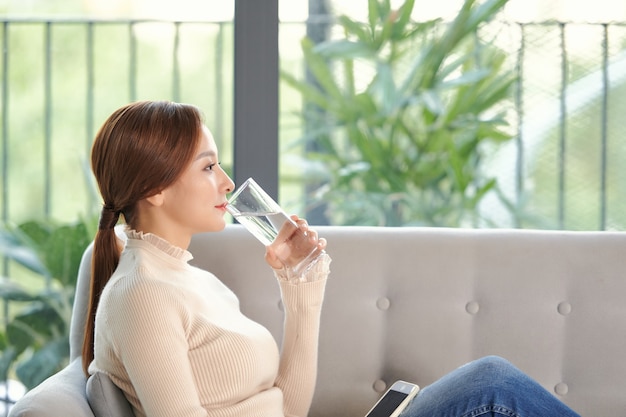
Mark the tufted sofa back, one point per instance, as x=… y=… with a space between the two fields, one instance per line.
x=415 y=303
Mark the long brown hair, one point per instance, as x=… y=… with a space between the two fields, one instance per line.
x=141 y=149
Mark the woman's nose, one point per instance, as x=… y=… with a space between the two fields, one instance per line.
x=230 y=186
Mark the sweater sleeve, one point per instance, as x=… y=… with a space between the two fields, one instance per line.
x=151 y=322
x=298 y=363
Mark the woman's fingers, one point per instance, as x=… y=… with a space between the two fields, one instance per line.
x=271 y=258
x=288 y=234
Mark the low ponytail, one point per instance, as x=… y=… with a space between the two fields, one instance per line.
x=141 y=149
x=105 y=258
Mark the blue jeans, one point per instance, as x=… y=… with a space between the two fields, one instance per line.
x=490 y=386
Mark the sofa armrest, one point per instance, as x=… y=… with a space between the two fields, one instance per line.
x=62 y=394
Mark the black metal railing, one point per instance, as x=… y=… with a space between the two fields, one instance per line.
x=565 y=169
x=62 y=71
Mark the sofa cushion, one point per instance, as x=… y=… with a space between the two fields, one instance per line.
x=105 y=398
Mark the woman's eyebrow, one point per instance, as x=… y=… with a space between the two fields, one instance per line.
x=205 y=154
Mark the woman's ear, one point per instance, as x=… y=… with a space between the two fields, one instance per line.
x=156 y=199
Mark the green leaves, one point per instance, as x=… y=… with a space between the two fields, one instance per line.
x=15 y=245
x=402 y=112
x=37 y=335
x=43 y=363
x=60 y=247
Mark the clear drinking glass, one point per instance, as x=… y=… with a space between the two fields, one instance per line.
x=251 y=206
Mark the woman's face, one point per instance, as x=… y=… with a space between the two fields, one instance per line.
x=196 y=202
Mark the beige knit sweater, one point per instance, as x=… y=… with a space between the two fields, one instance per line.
x=173 y=338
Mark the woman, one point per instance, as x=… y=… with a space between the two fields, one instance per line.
x=172 y=337
x=169 y=335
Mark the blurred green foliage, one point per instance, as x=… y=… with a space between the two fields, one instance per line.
x=35 y=342
x=401 y=111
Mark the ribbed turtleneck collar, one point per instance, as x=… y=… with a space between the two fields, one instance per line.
x=160 y=244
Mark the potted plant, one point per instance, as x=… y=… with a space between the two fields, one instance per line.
x=400 y=113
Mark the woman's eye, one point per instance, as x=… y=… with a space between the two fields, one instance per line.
x=210 y=167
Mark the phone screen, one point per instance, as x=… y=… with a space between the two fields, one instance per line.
x=388 y=404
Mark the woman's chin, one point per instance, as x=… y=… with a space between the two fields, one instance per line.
x=217 y=226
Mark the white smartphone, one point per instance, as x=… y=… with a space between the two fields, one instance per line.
x=394 y=400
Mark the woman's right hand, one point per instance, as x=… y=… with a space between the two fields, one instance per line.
x=293 y=243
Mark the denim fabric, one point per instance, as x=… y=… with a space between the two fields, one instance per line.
x=490 y=386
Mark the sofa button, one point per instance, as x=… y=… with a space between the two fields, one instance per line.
x=383 y=303
x=281 y=307
x=561 y=388
x=472 y=307
x=379 y=386
x=564 y=308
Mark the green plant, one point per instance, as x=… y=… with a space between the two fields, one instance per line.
x=401 y=112
x=36 y=340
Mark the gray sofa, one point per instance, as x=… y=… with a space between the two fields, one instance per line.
x=415 y=303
